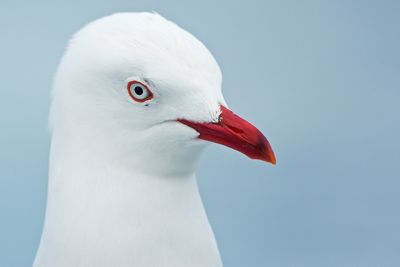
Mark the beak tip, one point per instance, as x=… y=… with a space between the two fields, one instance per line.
x=265 y=154
x=270 y=158
x=268 y=154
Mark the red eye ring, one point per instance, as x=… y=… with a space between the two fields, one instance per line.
x=139 y=91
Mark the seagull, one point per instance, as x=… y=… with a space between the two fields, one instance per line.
x=135 y=100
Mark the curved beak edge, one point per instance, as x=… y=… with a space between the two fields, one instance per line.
x=236 y=133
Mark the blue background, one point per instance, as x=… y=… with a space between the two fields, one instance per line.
x=320 y=78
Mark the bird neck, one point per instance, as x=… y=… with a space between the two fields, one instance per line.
x=103 y=212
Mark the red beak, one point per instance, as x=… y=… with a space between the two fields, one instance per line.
x=236 y=133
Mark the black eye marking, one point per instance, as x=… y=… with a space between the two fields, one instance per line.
x=138 y=90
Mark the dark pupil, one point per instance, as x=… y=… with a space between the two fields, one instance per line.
x=138 y=90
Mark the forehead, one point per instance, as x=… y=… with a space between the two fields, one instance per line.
x=144 y=44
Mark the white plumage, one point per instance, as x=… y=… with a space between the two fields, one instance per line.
x=122 y=187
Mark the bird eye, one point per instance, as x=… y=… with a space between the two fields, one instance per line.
x=139 y=91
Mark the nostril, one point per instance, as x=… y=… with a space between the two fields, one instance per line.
x=235 y=129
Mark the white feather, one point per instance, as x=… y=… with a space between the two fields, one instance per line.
x=122 y=186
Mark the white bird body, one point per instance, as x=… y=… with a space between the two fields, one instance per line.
x=122 y=188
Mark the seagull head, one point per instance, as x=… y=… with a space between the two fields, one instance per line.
x=139 y=84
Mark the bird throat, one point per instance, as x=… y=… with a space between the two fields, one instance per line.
x=102 y=213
